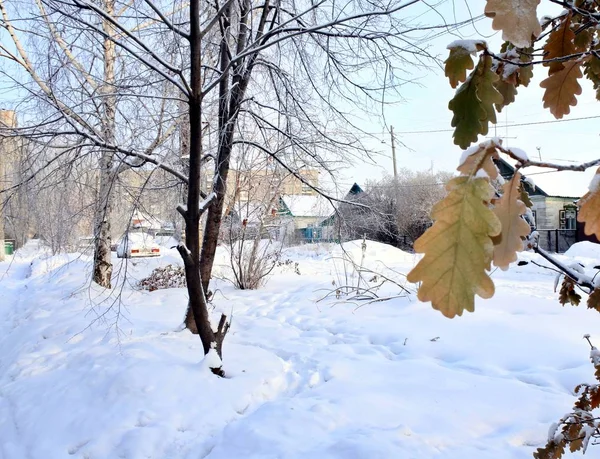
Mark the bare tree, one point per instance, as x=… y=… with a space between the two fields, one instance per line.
x=252 y=229
x=396 y=210
x=287 y=69
x=80 y=101
x=414 y=194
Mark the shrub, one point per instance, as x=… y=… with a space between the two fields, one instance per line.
x=164 y=277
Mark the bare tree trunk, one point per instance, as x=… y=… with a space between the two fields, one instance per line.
x=230 y=99
x=102 y=255
x=191 y=256
x=184 y=151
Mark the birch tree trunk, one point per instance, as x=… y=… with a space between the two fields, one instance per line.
x=102 y=255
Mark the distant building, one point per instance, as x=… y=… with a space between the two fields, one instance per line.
x=307 y=213
x=9 y=150
x=555 y=215
x=264 y=184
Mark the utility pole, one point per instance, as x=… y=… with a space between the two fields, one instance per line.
x=394 y=151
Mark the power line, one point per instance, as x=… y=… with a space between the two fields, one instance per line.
x=433 y=131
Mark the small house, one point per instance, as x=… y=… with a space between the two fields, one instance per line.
x=554 y=212
x=307 y=213
x=550 y=210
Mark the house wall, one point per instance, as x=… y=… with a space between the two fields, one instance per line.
x=9 y=148
x=539 y=206
x=304 y=222
x=551 y=237
x=547 y=210
x=259 y=185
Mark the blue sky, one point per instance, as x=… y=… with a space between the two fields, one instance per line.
x=426 y=109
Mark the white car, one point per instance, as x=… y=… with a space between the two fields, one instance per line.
x=165 y=238
x=134 y=245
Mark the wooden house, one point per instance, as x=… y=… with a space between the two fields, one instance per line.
x=555 y=213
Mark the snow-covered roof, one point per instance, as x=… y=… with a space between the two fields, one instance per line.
x=557 y=184
x=565 y=183
x=253 y=211
x=307 y=206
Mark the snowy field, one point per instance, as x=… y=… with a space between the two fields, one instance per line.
x=305 y=379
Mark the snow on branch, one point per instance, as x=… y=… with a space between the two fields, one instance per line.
x=206 y=202
x=578 y=277
x=183 y=210
x=471 y=46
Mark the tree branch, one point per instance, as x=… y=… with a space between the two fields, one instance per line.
x=164 y=19
x=580 y=279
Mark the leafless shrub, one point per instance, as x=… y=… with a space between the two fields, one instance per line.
x=288 y=264
x=164 y=277
x=252 y=261
x=396 y=210
x=354 y=282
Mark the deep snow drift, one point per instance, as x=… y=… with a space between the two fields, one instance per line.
x=87 y=375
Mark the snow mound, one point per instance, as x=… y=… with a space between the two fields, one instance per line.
x=375 y=252
x=317 y=251
x=584 y=249
x=392 y=379
x=44 y=265
x=32 y=248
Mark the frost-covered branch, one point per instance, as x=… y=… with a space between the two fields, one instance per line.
x=580 y=278
x=202 y=207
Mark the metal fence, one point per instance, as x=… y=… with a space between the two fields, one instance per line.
x=557 y=240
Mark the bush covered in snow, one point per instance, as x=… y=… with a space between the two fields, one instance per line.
x=164 y=277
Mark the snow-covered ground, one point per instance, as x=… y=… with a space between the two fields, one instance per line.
x=392 y=379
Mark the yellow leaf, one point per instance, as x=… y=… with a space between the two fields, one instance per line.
x=482 y=158
x=458 y=248
x=473 y=104
x=457 y=64
x=509 y=210
x=552 y=450
x=517 y=19
x=583 y=39
x=560 y=43
x=589 y=207
x=469 y=116
x=576 y=445
x=561 y=89
x=592 y=72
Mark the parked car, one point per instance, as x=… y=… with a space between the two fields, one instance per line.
x=166 y=238
x=138 y=244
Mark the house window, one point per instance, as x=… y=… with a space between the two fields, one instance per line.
x=306 y=189
x=567 y=218
x=534 y=218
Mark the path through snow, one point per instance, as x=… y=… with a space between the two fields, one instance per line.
x=389 y=380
